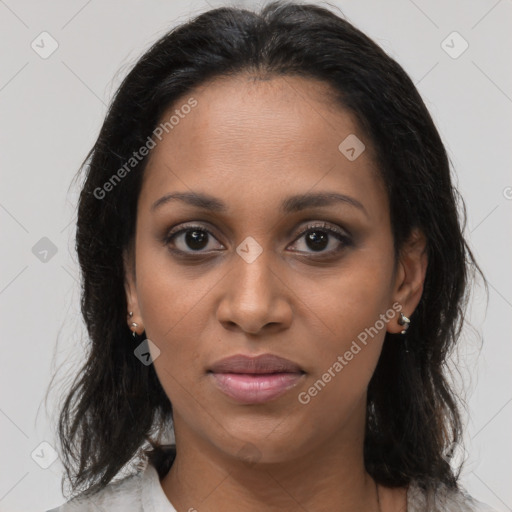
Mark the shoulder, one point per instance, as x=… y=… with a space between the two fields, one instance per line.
x=443 y=499
x=139 y=491
x=124 y=494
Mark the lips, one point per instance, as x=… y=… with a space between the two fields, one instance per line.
x=265 y=363
x=255 y=380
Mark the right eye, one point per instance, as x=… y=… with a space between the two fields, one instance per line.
x=190 y=239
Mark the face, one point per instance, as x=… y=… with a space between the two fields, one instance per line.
x=263 y=264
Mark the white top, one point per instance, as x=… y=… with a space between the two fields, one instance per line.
x=142 y=492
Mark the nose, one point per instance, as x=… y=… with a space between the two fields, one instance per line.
x=255 y=297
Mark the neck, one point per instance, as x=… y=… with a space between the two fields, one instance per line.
x=331 y=476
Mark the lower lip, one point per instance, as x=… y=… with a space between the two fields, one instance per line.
x=255 y=388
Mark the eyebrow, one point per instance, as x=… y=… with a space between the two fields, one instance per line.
x=289 y=205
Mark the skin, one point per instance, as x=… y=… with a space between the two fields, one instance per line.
x=252 y=143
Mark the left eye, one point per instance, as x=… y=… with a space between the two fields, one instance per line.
x=318 y=237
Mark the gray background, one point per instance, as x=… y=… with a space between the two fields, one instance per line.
x=51 y=110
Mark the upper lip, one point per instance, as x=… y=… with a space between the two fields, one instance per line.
x=264 y=363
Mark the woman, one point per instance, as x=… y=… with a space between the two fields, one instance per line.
x=274 y=272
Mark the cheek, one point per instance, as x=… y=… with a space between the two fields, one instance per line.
x=352 y=308
x=167 y=292
x=171 y=305
x=352 y=300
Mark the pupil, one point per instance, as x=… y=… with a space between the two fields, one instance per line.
x=196 y=239
x=317 y=240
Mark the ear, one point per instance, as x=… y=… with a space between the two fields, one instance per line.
x=410 y=276
x=130 y=287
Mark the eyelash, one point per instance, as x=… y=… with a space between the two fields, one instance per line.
x=322 y=226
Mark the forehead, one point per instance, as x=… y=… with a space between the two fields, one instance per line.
x=247 y=135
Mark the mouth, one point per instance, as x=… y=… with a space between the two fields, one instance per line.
x=255 y=380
